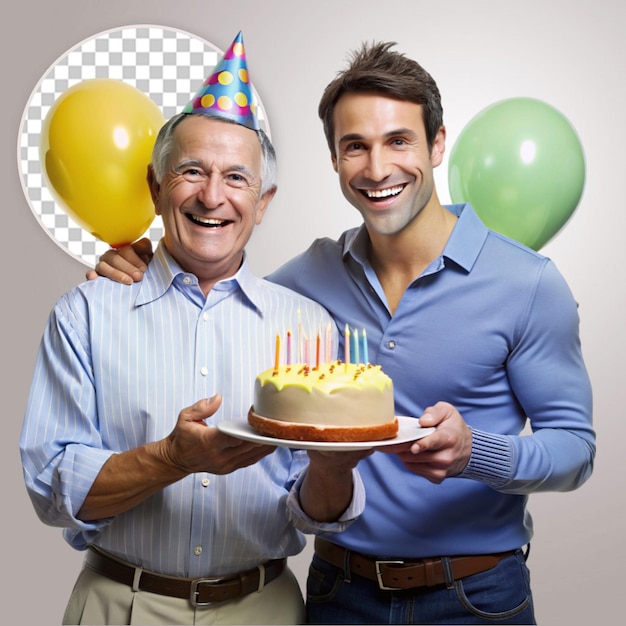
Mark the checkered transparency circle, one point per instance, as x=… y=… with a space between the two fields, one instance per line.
x=167 y=65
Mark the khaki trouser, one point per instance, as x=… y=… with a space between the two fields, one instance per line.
x=100 y=600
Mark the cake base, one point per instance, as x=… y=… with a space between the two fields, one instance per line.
x=311 y=432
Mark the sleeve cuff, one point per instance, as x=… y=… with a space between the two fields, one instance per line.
x=308 y=525
x=491 y=461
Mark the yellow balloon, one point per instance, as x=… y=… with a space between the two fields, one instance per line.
x=96 y=144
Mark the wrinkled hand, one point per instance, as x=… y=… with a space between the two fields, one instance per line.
x=124 y=265
x=442 y=454
x=194 y=446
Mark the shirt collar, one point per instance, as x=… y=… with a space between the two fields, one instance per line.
x=164 y=272
x=467 y=237
x=463 y=246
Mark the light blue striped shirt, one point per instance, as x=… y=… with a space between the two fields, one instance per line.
x=115 y=367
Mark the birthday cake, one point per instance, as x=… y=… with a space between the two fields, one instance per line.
x=333 y=401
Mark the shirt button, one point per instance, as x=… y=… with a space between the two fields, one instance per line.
x=205 y=317
x=204 y=371
x=187 y=280
x=206 y=482
x=391 y=344
x=197 y=550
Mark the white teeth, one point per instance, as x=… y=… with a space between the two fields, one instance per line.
x=383 y=193
x=209 y=221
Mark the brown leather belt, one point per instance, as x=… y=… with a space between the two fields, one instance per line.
x=199 y=591
x=396 y=574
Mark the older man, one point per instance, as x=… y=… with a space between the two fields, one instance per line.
x=181 y=523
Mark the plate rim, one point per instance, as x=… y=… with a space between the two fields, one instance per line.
x=249 y=434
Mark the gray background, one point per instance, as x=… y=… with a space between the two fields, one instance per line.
x=569 y=53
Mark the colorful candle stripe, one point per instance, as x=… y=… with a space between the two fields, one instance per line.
x=307 y=353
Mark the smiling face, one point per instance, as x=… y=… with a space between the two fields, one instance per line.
x=382 y=157
x=210 y=196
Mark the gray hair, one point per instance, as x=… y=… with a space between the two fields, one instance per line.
x=165 y=142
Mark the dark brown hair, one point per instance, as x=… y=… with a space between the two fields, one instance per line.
x=376 y=69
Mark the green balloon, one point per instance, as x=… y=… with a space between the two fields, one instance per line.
x=520 y=164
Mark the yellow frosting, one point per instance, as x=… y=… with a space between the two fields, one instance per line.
x=327 y=377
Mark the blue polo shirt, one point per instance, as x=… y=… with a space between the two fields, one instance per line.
x=492 y=328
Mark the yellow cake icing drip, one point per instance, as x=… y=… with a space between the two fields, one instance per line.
x=327 y=377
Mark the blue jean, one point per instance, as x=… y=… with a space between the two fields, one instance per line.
x=500 y=595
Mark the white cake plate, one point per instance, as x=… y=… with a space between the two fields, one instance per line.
x=409 y=429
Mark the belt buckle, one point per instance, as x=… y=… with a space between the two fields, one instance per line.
x=379 y=574
x=193 y=595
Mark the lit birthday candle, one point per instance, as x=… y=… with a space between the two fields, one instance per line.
x=346 y=344
x=288 y=347
x=328 y=352
x=318 y=343
x=299 y=337
x=277 y=356
x=364 y=346
x=307 y=350
x=355 y=346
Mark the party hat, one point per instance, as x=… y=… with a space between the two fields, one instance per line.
x=227 y=91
